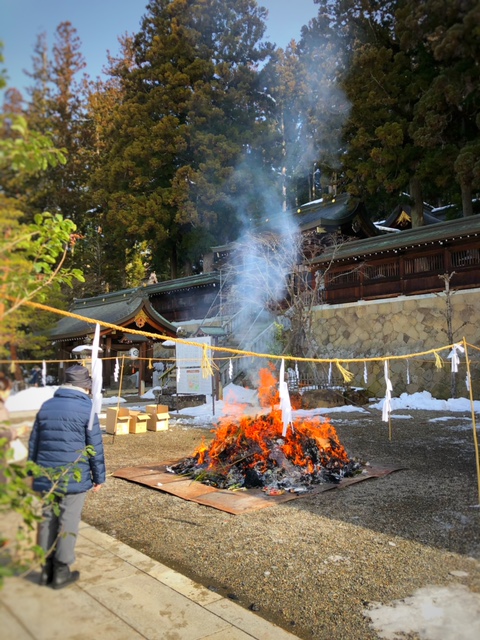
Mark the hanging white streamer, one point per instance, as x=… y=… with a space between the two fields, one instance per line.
x=467 y=382
x=455 y=357
x=330 y=374
x=97 y=378
x=44 y=373
x=296 y=371
x=116 y=371
x=230 y=369
x=387 y=403
x=285 y=405
x=408 y=372
x=365 y=373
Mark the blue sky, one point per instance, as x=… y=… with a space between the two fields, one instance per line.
x=100 y=22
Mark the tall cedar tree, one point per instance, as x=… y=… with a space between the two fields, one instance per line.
x=26 y=191
x=289 y=88
x=102 y=250
x=310 y=110
x=413 y=84
x=57 y=108
x=324 y=56
x=446 y=122
x=383 y=84
x=33 y=257
x=188 y=113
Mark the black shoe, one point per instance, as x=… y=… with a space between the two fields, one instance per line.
x=62 y=576
x=46 y=574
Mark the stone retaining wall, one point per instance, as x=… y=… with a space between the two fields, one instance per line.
x=401 y=326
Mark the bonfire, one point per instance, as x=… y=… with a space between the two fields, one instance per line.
x=249 y=452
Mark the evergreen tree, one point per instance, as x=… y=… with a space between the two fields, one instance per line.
x=412 y=79
x=40 y=90
x=324 y=52
x=288 y=86
x=446 y=123
x=12 y=101
x=57 y=107
x=106 y=248
x=33 y=257
x=383 y=84
x=188 y=114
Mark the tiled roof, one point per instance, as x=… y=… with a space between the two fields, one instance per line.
x=432 y=233
x=119 y=309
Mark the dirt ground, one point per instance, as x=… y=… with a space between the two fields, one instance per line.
x=316 y=565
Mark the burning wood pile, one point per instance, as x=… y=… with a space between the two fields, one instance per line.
x=252 y=452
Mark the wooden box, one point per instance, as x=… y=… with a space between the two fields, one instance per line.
x=117 y=421
x=138 y=421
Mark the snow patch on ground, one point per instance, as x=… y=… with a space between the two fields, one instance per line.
x=239 y=400
x=112 y=400
x=32 y=399
x=433 y=613
x=423 y=400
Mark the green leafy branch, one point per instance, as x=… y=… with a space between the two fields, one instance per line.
x=32 y=257
x=26 y=150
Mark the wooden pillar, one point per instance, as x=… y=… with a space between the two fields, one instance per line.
x=142 y=364
x=148 y=371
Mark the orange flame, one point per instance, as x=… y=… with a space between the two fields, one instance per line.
x=257 y=444
x=252 y=437
x=200 y=451
x=267 y=391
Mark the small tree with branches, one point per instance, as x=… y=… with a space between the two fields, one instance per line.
x=33 y=256
x=448 y=292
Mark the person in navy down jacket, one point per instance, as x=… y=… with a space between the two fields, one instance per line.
x=60 y=433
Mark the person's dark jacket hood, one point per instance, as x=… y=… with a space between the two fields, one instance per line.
x=60 y=433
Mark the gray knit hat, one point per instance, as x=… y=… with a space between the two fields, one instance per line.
x=78 y=376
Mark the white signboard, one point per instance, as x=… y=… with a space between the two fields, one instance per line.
x=189 y=364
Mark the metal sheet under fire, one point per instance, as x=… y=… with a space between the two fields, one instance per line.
x=234 y=502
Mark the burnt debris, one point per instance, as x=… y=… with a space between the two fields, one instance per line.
x=253 y=453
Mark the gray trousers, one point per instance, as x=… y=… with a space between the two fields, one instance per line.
x=57 y=534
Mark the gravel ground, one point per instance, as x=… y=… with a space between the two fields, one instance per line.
x=315 y=565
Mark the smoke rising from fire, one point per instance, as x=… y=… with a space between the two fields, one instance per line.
x=323 y=107
x=261 y=262
x=310 y=113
